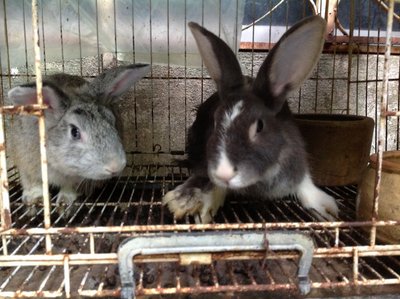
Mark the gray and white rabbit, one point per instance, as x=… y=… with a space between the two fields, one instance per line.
x=82 y=139
x=244 y=138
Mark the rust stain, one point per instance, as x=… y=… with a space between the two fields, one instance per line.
x=102 y=293
x=392 y=113
x=216 y=288
x=68 y=230
x=21 y=232
x=7 y=219
x=5 y=185
x=34 y=109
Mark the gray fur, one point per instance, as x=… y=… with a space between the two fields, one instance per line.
x=73 y=102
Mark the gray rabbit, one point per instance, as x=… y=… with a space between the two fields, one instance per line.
x=82 y=140
x=244 y=138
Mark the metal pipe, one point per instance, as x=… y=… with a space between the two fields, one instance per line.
x=194 y=227
x=42 y=127
x=382 y=121
x=5 y=199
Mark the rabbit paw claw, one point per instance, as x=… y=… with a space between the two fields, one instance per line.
x=65 y=199
x=193 y=201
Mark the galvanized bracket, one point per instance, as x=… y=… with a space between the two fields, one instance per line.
x=208 y=242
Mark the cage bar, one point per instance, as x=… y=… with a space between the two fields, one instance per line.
x=42 y=129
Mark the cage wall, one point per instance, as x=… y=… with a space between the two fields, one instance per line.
x=86 y=37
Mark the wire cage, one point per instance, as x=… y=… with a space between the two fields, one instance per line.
x=74 y=252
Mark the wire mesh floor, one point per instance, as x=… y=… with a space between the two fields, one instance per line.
x=136 y=200
x=87 y=235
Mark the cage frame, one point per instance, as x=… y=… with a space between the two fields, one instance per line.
x=67 y=260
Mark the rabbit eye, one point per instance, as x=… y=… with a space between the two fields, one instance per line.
x=260 y=126
x=75 y=133
x=255 y=128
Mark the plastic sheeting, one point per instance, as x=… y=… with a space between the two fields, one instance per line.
x=136 y=30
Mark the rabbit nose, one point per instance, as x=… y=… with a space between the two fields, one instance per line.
x=115 y=166
x=225 y=173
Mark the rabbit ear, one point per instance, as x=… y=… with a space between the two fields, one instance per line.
x=218 y=58
x=114 y=82
x=26 y=95
x=291 y=61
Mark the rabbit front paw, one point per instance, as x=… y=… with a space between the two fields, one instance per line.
x=189 y=200
x=182 y=202
x=31 y=198
x=65 y=199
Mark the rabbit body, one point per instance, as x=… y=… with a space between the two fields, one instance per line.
x=244 y=138
x=82 y=142
x=267 y=164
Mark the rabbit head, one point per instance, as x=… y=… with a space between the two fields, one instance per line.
x=82 y=140
x=253 y=137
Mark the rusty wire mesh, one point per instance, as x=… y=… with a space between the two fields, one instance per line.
x=85 y=243
x=84 y=238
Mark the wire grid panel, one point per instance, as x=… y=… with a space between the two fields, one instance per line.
x=85 y=236
x=85 y=240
